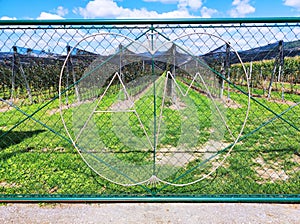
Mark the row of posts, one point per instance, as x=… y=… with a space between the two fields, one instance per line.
x=17 y=66
x=225 y=72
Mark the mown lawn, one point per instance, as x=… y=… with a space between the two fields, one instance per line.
x=37 y=156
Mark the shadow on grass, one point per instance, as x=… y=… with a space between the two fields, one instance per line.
x=14 y=138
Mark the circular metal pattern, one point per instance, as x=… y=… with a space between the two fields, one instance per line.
x=153 y=111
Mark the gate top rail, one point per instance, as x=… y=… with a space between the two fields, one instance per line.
x=153 y=21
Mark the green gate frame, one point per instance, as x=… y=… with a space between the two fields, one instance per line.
x=79 y=23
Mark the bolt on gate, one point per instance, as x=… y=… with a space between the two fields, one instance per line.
x=160 y=110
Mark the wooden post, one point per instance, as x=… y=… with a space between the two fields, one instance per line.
x=72 y=72
x=278 y=63
x=17 y=64
x=13 y=73
x=227 y=67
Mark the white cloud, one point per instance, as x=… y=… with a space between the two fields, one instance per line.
x=192 y=4
x=61 y=11
x=110 y=9
x=7 y=18
x=46 y=15
x=101 y=8
x=58 y=13
x=176 y=14
x=241 y=8
x=163 y=1
x=143 y=13
x=292 y=3
x=207 y=12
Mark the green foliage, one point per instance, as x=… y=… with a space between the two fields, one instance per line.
x=262 y=71
x=39 y=159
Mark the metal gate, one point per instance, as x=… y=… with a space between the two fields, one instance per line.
x=204 y=110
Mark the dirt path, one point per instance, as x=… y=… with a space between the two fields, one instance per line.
x=150 y=213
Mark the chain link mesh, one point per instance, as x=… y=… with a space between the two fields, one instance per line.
x=158 y=110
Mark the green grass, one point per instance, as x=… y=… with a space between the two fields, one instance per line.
x=37 y=158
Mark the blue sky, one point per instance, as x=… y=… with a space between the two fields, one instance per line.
x=115 y=9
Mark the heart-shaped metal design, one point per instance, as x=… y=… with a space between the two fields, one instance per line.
x=151 y=110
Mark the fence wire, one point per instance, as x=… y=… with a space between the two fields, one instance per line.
x=159 y=110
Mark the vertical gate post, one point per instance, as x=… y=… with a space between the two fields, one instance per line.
x=278 y=63
x=17 y=65
x=71 y=71
x=13 y=74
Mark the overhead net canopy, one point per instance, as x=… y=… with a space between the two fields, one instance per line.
x=151 y=111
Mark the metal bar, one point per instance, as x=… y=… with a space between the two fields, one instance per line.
x=28 y=116
x=154 y=103
x=66 y=22
x=31 y=116
x=257 y=198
